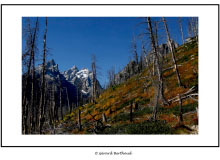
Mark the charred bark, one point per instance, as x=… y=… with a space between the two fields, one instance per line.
x=154 y=48
x=172 y=52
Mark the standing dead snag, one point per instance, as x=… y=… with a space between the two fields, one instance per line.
x=181 y=29
x=155 y=52
x=33 y=107
x=135 y=106
x=111 y=76
x=135 y=54
x=77 y=97
x=180 y=111
x=156 y=105
x=104 y=119
x=54 y=105
x=194 y=25
x=172 y=52
x=79 y=120
x=68 y=104
x=42 y=101
x=131 y=114
x=94 y=81
x=25 y=105
x=61 y=107
x=156 y=45
x=189 y=28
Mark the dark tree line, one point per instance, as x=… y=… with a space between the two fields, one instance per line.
x=28 y=102
x=42 y=99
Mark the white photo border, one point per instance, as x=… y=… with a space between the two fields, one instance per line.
x=12 y=71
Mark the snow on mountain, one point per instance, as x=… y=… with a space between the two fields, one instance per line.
x=84 y=73
x=70 y=74
x=52 y=72
x=84 y=92
x=81 y=79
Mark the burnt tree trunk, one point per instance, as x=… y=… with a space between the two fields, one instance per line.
x=154 y=48
x=131 y=113
x=79 y=120
x=180 y=110
x=135 y=106
x=181 y=29
x=156 y=104
x=42 y=101
x=61 y=107
x=172 y=52
x=67 y=97
x=25 y=107
x=33 y=107
x=135 y=54
x=94 y=84
x=104 y=119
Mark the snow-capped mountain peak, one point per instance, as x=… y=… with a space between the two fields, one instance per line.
x=78 y=80
x=71 y=73
x=83 y=73
x=74 y=68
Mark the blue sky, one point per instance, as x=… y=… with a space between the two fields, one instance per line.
x=72 y=40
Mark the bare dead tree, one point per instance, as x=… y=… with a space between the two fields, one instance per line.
x=131 y=113
x=42 y=100
x=156 y=34
x=26 y=77
x=79 y=120
x=67 y=97
x=194 y=24
x=189 y=28
x=48 y=95
x=197 y=25
x=143 y=50
x=33 y=107
x=181 y=29
x=180 y=110
x=94 y=80
x=172 y=51
x=104 y=119
x=141 y=62
x=157 y=45
x=53 y=103
x=61 y=106
x=77 y=97
x=134 y=47
x=135 y=106
x=111 y=76
x=156 y=98
x=155 y=51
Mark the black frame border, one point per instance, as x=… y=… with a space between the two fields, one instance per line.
x=112 y=5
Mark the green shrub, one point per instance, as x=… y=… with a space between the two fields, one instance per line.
x=127 y=103
x=175 y=110
x=145 y=110
x=147 y=127
x=144 y=101
x=111 y=96
x=185 y=58
x=121 y=117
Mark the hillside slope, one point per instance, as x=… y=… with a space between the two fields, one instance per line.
x=112 y=112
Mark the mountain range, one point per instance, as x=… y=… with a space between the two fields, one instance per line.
x=76 y=84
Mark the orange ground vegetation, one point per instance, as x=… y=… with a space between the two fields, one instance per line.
x=116 y=100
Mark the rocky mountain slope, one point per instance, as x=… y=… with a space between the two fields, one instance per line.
x=75 y=83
